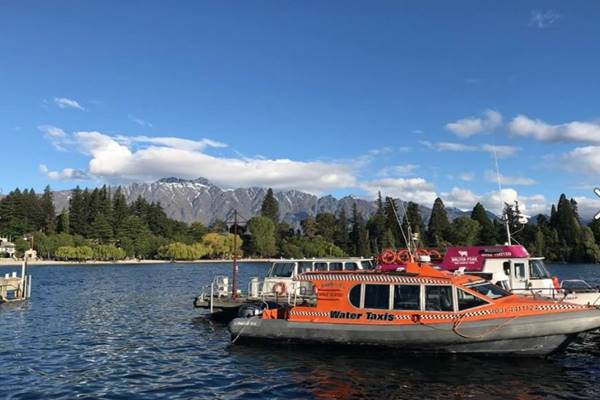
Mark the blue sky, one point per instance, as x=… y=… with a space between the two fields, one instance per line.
x=332 y=97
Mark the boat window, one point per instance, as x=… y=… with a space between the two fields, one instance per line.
x=490 y=290
x=406 y=297
x=320 y=266
x=351 y=266
x=367 y=264
x=519 y=270
x=355 y=296
x=537 y=270
x=282 y=270
x=305 y=266
x=438 y=298
x=506 y=266
x=467 y=300
x=335 y=266
x=377 y=296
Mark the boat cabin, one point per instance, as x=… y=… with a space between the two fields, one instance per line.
x=283 y=271
x=509 y=267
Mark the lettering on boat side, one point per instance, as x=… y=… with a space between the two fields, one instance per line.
x=344 y=315
x=380 y=317
x=370 y=316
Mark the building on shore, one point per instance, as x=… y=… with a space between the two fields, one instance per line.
x=7 y=248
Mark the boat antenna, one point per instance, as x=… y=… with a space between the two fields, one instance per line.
x=408 y=228
x=500 y=196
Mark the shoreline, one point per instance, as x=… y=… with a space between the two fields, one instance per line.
x=11 y=262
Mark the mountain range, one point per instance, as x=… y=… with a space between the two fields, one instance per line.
x=203 y=201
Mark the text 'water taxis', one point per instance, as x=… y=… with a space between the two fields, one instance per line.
x=420 y=309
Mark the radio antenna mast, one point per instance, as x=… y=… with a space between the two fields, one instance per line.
x=500 y=196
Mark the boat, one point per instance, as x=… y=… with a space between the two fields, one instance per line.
x=418 y=309
x=511 y=267
x=224 y=301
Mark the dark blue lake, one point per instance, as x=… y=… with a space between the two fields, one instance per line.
x=130 y=332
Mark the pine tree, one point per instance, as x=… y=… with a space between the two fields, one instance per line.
x=119 y=209
x=390 y=211
x=48 y=211
x=487 y=234
x=77 y=212
x=309 y=227
x=376 y=227
x=437 y=229
x=326 y=226
x=358 y=234
x=100 y=229
x=342 y=237
x=270 y=207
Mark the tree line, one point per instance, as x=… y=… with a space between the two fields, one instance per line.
x=99 y=224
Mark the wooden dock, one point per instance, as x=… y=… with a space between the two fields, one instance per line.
x=15 y=288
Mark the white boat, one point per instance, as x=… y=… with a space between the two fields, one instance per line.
x=279 y=285
x=512 y=268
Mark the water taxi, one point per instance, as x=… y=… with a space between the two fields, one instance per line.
x=418 y=308
x=279 y=285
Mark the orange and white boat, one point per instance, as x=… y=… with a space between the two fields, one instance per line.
x=419 y=309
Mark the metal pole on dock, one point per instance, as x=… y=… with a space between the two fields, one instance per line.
x=235 y=266
x=23 y=291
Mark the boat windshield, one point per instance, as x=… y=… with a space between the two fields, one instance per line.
x=367 y=264
x=282 y=270
x=537 y=270
x=489 y=290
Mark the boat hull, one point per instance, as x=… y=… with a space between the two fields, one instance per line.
x=537 y=335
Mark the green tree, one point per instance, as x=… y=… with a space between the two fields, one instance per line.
x=309 y=226
x=437 y=228
x=270 y=207
x=464 y=231
x=77 y=212
x=358 y=235
x=342 y=235
x=413 y=218
x=100 y=229
x=48 y=211
x=326 y=225
x=487 y=233
x=262 y=232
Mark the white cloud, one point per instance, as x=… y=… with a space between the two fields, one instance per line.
x=118 y=159
x=140 y=121
x=574 y=131
x=467 y=176
x=501 y=151
x=508 y=180
x=63 y=102
x=465 y=199
x=582 y=159
x=56 y=136
x=408 y=189
x=543 y=18
x=65 y=174
x=398 y=170
x=470 y=126
x=587 y=207
x=169 y=141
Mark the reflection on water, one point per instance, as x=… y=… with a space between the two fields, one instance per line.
x=131 y=332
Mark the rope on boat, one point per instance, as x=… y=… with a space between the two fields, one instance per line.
x=239 y=334
x=493 y=329
x=459 y=320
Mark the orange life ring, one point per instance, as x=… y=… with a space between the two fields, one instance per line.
x=388 y=256
x=280 y=289
x=422 y=252
x=403 y=256
x=435 y=255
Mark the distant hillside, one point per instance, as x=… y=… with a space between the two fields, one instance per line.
x=200 y=200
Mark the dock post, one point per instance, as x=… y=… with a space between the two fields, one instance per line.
x=28 y=286
x=23 y=291
x=212 y=290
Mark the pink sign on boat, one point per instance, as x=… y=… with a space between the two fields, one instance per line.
x=472 y=258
